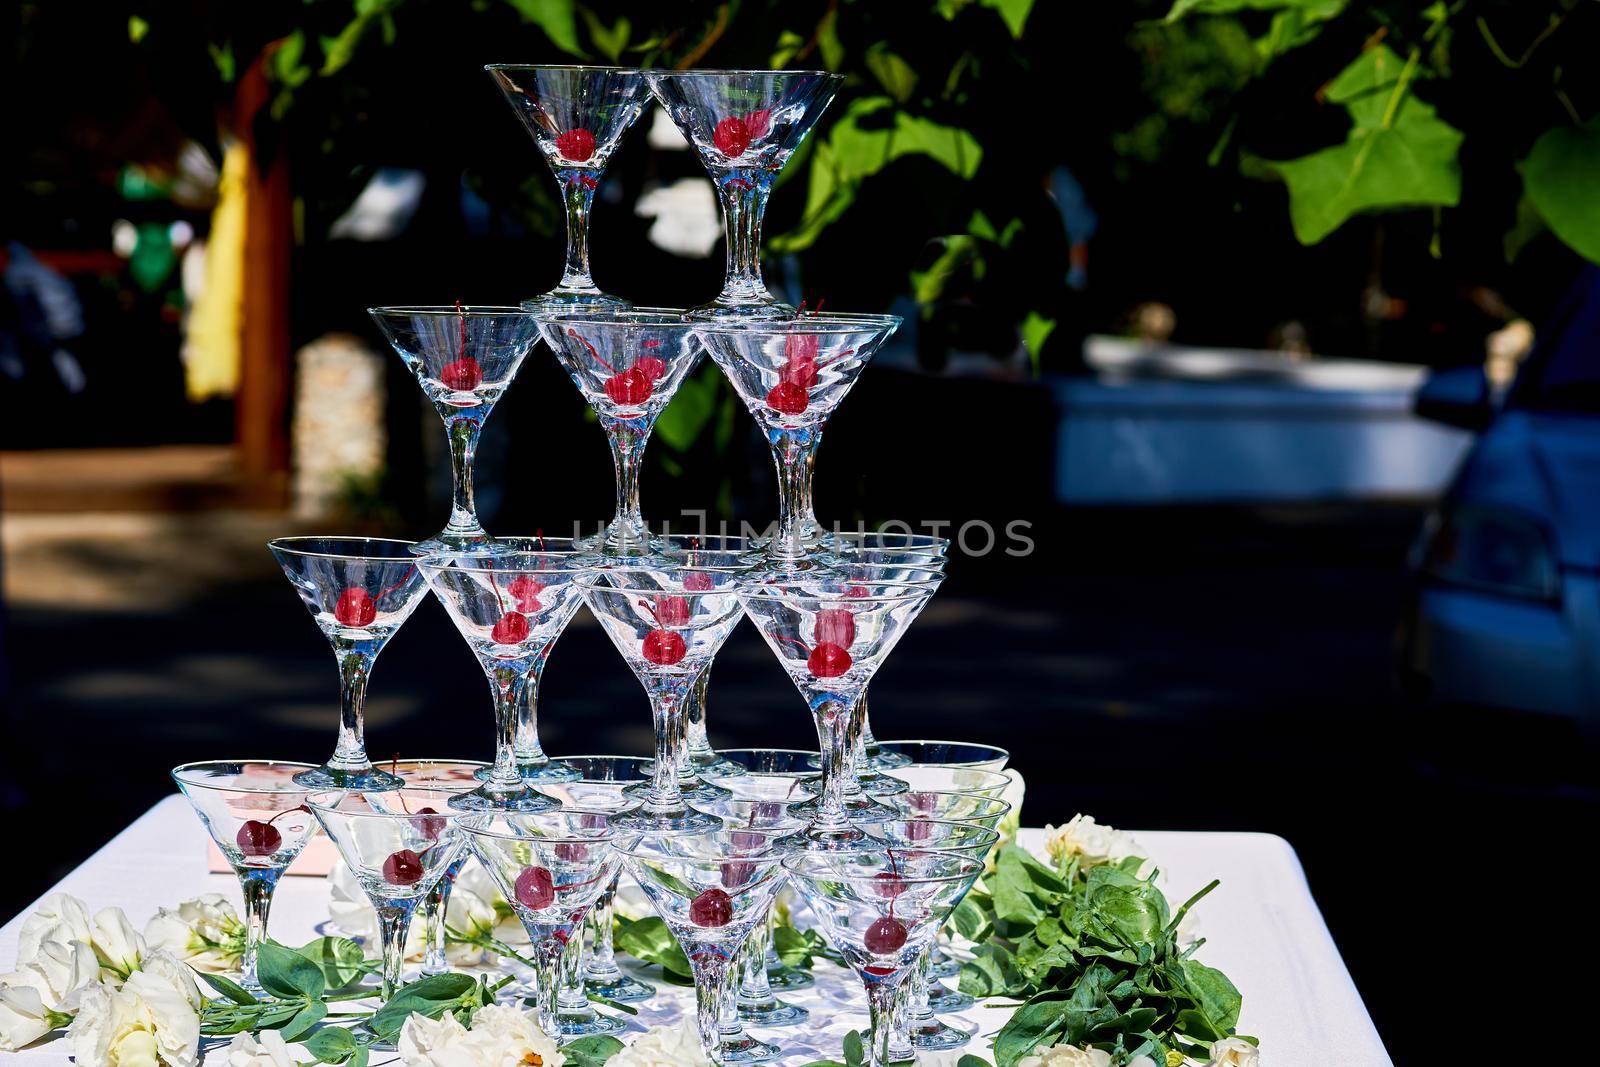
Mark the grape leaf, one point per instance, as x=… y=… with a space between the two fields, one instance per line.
x=1560 y=175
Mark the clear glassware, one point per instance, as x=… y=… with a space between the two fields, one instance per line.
x=359 y=591
x=599 y=786
x=552 y=868
x=628 y=365
x=924 y=777
x=958 y=754
x=511 y=606
x=832 y=637
x=256 y=814
x=791 y=376
x=577 y=116
x=668 y=625
x=712 y=889
x=972 y=808
x=464 y=358
x=881 y=910
x=451 y=776
x=889 y=541
x=744 y=124
x=398 y=844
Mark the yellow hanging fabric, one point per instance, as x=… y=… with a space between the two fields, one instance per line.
x=211 y=347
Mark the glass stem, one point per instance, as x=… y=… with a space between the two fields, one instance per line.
x=917 y=999
x=628 y=438
x=257 y=884
x=794 y=453
x=710 y=983
x=547 y=955
x=666 y=709
x=529 y=752
x=507 y=683
x=577 y=194
x=463 y=431
x=743 y=192
x=602 y=965
x=880 y=1011
x=350 y=755
x=869 y=744
x=572 y=1000
x=754 y=988
x=900 y=1046
x=435 y=910
x=833 y=730
x=394 y=919
x=700 y=750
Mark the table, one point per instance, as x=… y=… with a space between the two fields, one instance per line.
x=1262 y=928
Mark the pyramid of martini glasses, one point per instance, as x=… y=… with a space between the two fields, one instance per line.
x=880 y=841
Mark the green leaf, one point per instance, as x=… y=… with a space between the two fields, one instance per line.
x=1014 y=12
x=1320 y=9
x=1036 y=330
x=331 y=1044
x=992 y=972
x=556 y=18
x=304 y=1019
x=286 y=973
x=898 y=78
x=1217 y=999
x=286 y=65
x=1560 y=177
x=228 y=988
x=137 y=28
x=1029 y=1026
x=431 y=997
x=338 y=51
x=591 y=1051
x=1399 y=153
x=973 y=916
x=972 y=1061
x=691 y=410
x=650 y=940
x=853 y=1052
x=610 y=41
x=870 y=135
x=340 y=959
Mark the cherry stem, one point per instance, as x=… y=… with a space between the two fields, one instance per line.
x=462 y=315
x=593 y=351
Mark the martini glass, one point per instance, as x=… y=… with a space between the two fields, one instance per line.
x=712 y=889
x=257 y=816
x=359 y=590
x=628 y=364
x=464 y=358
x=451 y=776
x=832 y=637
x=599 y=786
x=881 y=910
x=552 y=868
x=889 y=541
x=577 y=115
x=510 y=607
x=792 y=375
x=398 y=844
x=949 y=754
x=745 y=124
x=668 y=625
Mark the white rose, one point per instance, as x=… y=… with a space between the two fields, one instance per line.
x=1092 y=843
x=40 y=996
x=1234 y=1052
x=116 y=943
x=501 y=1036
x=663 y=1046
x=204 y=932
x=268 y=1049
x=154 y=1018
x=60 y=917
x=1065 y=1056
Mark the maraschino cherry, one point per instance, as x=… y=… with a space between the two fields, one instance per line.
x=631 y=387
x=799 y=359
x=462 y=374
x=257 y=838
x=429 y=823
x=511 y=629
x=403 y=868
x=788 y=398
x=535 y=888
x=757 y=123
x=836 y=626
x=576 y=144
x=672 y=611
x=731 y=136
x=699 y=582
x=664 y=648
x=355 y=607
x=525 y=590
x=712 y=907
x=652 y=367
x=888 y=884
x=884 y=936
x=828 y=661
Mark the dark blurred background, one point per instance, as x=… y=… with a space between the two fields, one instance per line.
x=1270 y=325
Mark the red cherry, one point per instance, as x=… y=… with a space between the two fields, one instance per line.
x=757 y=123
x=257 y=838
x=923 y=802
x=632 y=386
x=918 y=830
x=712 y=907
x=889 y=885
x=856 y=592
x=672 y=611
x=403 y=868
x=461 y=375
x=355 y=608
x=511 y=629
x=788 y=398
x=664 y=648
x=731 y=136
x=572 y=852
x=836 y=626
x=885 y=936
x=828 y=661
x=576 y=144
x=652 y=367
x=698 y=582
x=801 y=371
x=429 y=823
x=525 y=590
x=535 y=888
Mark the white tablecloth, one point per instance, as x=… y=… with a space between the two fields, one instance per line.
x=1262 y=928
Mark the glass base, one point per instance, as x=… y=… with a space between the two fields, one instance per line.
x=649 y=822
x=857 y=809
x=586 y=1024
x=714 y=763
x=624 y=989
x=717 y=311
x=813 y=839
x=621 y=539
x=784 y=977
x=367 y=780
x=546 y=770
x=691 y=788
x=448 y=540
x=942 y=1000
x=936 y=1036
x=574 y=299
x=773 y=1013
x=522 y=799
x=883 y=785
x=746 y=1049
x=886 y=761
x=942 y=966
